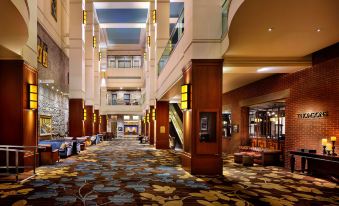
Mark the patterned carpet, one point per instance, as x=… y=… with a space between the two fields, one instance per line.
x=122 y=172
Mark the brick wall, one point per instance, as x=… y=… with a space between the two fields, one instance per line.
x=313 y=89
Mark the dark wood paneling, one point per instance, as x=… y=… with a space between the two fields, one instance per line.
x=18 y=124
x=96 y=122
x=76 y=123
x=151 y=127
x=205 y=77
x=162 y=121
x=103 y=125
x=89 y=121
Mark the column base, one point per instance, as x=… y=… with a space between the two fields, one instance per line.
x=202 y=164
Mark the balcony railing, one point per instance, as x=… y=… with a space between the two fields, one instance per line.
x=225 y=9
x=124 y=102
x=124 y=61
x=175 y=37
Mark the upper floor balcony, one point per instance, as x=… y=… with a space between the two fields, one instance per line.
x=124 y=62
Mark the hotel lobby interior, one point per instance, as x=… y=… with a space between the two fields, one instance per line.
x=169 y=102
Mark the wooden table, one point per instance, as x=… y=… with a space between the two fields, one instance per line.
x=317 y=164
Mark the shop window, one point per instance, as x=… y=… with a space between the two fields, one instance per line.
x=226 y=125
x=127 y=99
x=267 y=122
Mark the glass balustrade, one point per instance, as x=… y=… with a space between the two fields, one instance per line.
x=225 y=8
x=174 y=39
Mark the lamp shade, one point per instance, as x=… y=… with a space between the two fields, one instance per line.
x=333 y=138
x=185 y=97
x=323 y=142
x=33 y=96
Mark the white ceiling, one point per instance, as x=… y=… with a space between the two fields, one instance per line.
x=294 y=26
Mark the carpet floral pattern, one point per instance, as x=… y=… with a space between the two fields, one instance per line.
x=122 y=172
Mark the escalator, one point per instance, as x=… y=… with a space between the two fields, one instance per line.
x=176 y=127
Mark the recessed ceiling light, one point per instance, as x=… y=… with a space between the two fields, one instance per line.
x=47 y=84
x=318 y=30
x=270 y=29
x=57 y=90
x=120 y=87
x=52 y=87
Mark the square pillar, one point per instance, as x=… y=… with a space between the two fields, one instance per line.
x=146 y=124
x=202 y=121
x=89 y=121
x=76 y=118
x=18 y=121
x=103 y=124
x=96 y=122
x=162 y=125
x=151 y=126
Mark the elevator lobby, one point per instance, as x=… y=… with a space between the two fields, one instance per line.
x=169 y=102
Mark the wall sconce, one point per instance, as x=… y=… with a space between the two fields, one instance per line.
x=85 y=114
x=147 y=118
x=145 y=56
x=185 y=97
x=100 y=56
x=95 y=117
x=94 y=42
x=154 y=16
x=100 y=120
x=153 y=114
x=84 y=16
x=33 y=96
x=149 y=41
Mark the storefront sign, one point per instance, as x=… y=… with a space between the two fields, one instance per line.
x=312 y=115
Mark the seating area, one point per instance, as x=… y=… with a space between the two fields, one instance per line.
x=248 y=155
x=52 y=150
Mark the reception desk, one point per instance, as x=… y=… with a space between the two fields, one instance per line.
x=317 y=164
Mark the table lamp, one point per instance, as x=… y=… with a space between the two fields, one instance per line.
x=329 y=148
x=333 y=140
x=324 y=143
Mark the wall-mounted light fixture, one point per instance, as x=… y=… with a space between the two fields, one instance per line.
x=153 y=114
x=154 y=16
x=85 y=114
x=100 y=120
x=149 y=41
x=147 y=117
x=84 y=16
x=100 y=56
x=95 y=117
x=185 y=96
x=33 y=96
x=145 y=56
x=94 y=42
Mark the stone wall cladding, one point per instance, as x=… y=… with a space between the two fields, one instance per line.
x=52 y=103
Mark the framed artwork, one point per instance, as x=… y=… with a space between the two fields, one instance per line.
x=45 y=125
x=54 y=9
x=40 y=46
x=45 y=55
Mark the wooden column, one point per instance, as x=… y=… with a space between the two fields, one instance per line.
x=18 y=123
x=89 y=121
x=96 y=122
x=151 y=126
x=162 y=125
x=205 y=79
x=76 y=118
x=146 y=125
x=103 y=124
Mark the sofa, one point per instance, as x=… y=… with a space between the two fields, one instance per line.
x=95 y=139
x=75 y=144
x=64 y=147
x=260 y=155
x=48 y=156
